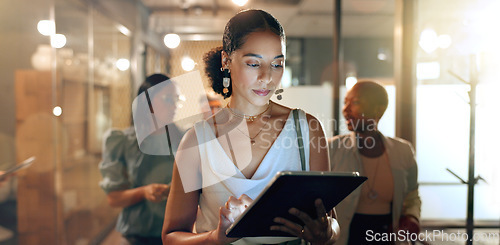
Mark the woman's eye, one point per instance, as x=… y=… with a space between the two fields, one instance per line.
x=253 y=65
x=277 y=65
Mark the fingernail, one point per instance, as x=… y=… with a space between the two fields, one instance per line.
x=277 y=220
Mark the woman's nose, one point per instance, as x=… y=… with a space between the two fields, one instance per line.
x=346 y=107
x=265 y=76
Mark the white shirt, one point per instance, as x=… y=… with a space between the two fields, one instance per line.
x=222 y=179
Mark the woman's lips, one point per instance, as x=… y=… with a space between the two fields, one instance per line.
x=261 y=92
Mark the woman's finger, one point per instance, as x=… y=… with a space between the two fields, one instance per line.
x=246 y=199
x=320 y=210
x=302 y=216
x=224 y=213
x=232 y=202
x=296 y=228
x=286 y=229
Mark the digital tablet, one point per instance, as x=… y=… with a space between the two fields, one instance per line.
x=292 y=189
x=26 y=163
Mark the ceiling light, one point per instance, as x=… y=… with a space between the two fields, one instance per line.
x=382 y=54
x=444 y=41
x=428 y=40
x=57 y=40
x=122 y=64
x=240 y=2
x=46 y=27
x=187 y=64
x=172 y=40
x=57 y=111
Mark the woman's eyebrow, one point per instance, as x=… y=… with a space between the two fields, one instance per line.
x=260 y=56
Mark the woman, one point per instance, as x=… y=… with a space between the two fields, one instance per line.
x=135 y=181
x=236 y=152
x=388 y=201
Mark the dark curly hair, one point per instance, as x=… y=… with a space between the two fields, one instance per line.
x=235 y=34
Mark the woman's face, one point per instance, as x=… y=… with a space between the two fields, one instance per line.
x=257 y=67
x=165 y=103
x=359 y=113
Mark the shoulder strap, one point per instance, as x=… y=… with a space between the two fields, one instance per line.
x=300 y=141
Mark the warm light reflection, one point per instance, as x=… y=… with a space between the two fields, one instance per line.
x=428 y=40
x=122 y=64
x=57 y=111
x=42 y=59
x=240 y=2
x=123 y=30
x=444 y=41
x=382 y=54
x=172 y=40
x=197 y=37
x=46 y=27
x=428 y=70
x=187 y=64
x=57 y=40
x=484 y=25
x=350 y=81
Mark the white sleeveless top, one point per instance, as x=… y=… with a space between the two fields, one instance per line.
x=222 y=179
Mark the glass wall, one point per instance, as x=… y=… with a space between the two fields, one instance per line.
x=456 y=56
x=368 y=54
x=59 y=94
x=65 y=79
x=19 y=43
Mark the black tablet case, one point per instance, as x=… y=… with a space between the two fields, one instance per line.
x=293 y=189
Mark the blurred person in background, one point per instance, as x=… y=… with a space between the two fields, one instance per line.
x=388 y=201
x=137 y=182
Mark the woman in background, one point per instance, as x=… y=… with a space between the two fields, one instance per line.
x=388 y=201
x=137 y=182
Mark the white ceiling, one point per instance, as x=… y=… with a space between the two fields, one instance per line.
x=205 y=19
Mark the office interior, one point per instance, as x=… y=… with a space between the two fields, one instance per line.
x=70 y=70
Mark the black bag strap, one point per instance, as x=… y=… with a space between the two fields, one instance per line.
x=300 y=141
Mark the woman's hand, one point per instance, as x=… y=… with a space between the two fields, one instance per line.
x=156 y=192
x=237 y=206
x=410 y=224
x=4 y=179
x=316 y=231
x=227 y=214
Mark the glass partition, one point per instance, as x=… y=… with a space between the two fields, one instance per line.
x=456 y=56
x=26 y=59
x=367 y=47
x=65 y=80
